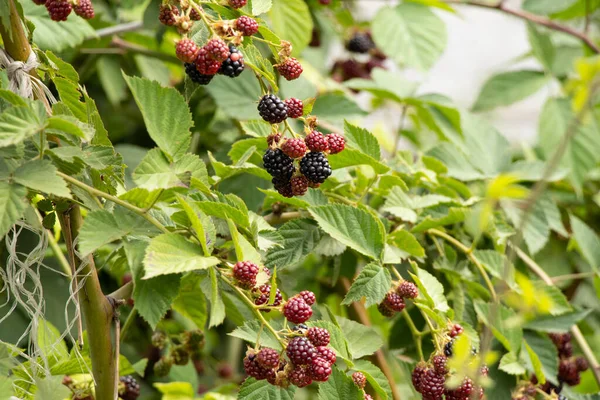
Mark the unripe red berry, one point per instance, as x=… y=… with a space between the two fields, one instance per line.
x=432 y=385
x=394 y=302
x=295 y=107
x=59 y=10
x=167 y=15
x=299 y=185
x=327 y=354
x=186 y=50
x=299 y=376
x=268 y=358
x=319 y=369
x=245 y=273
x=217 y=50
x=205 y=65
x=237 y=3
x=440 y=364
x=294 y=148
x=385 y=310
x=84 y=9
x=297 y=311
x=290 y=69
x=456 y=330
x=308 y=296
x=315 y=141
x=318 y=336
x=336 y=142
x=408 y=290
x=248 y=26
x=417 y=376
x=300 y=351
x=265 y=293
x=195 y=15
x=253 y=368
x=359 y=379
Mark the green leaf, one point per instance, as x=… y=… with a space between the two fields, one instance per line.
x=111 y=79
x=335 y=107
x=217 y=307
x=509 y=87
x=69 y=125
x=495 y=263
x=411 y=34
x=351 y=157
x=557 y=324
x=153 y=297
x=70 y=96
x=175 y=390
x=41 y=175
x=244 y=250
x=49 y=35
x=339 y=386
x=536 y=231
x=237 y=98
x=560 y=304
x=541 y=45
x=431 y=289
x=261 y=6
x=166 y=114
x=375 y=377
x=352 y=226
x=291 y=20
x=155 y=171
x=102 y=227
x=251 y=330
x=385 y=85
x=201 y=224
x=225 y=211
x=582 y=153
x=170 y=253
x=300 y=237
x=51 y=387
x=541 y=356
x=588 y=242
x=252 y=389
x=191 y=302
x=407 y=242
x=503 y=326
x=362 y=340
x=440 y=216
x=373 y=283
x=511 y=364
x=480 y=136
x=20 y=123
x=12 y=205
x=456 y=161
x=50 y=342
x=362 y=139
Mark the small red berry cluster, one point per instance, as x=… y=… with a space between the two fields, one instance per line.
x=429 y=378
x=569 y=369
x=59 y=10
x=177 y=349
x=394 y=301
x=360 y=380
x=299 y=163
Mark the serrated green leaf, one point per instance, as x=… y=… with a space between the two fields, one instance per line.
x=250 y=332
x=411 y=34
x=292 y=21
x=560 y=304
x=225 y=211
x=351 y=157
x=201 y=224
x=252 y=389
x=102 y=227
x=406 y=242
x=237 y=98
x=557 y=324
x=372 y=283
x=166 y=114
x=217 y=307
x=536 y=231
x=155 y=171
x=261 y=6
x=510 y=364
x=339 y=386
x=588 y=242
x=503 y=326
x=176 y=390
x=541 y=46
x=541 y=356
x=431 y=289
x=170 y=253
x=300 y=237
x=547 y=7
x=375 y=377
x=244 y=250
x=12 y=205
x=496 y=263
x=509 y=87
x=153 y=297
x=335 y=107
x=70 y=125
x=352 y=226
x=41 y=175
x=361 y=139
x=50 y=342
x=20 y=123
x=190 y=301
x=362 y=340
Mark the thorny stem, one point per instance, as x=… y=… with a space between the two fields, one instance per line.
x=536 y=19
x=575 y=331
x=116 y=200
x=469 y=253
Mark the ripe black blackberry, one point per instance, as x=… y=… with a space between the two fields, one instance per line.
x=299 y=376
x=448 y=348
x=129 y=389
x=238 y=3
x=283 y=187
x=336 y=142
x=315 y=167
x=296 y=310
x=308 y=296
x=360 y=43
x=167 y=14
x=186 y=50
x=300 y=328
x=408 y=290
x=394 y=302
x=290 y=69
x=300 y=351
x=234 y=64
x=248 y=26
x=268 y=358
x=278 y=165
x=315 y=141
x=272 y=109
x=327 y=354
x=318 y=336
x=440 y=364
x=568 y=373
x=294 y=148
x=84 y=9
x=359 y=379
x=319 y=369
x=295 y=107
x=59 y=10
x=432 y=385
x=196 y=76
x=299 y=185
x=245 y=273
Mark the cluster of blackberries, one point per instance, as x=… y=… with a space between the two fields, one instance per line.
x=59 y=10
x=429 y=379
x=180 y=349
x=394 y=300
x=308 y=359
x=215 y=57
x=297 y=164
